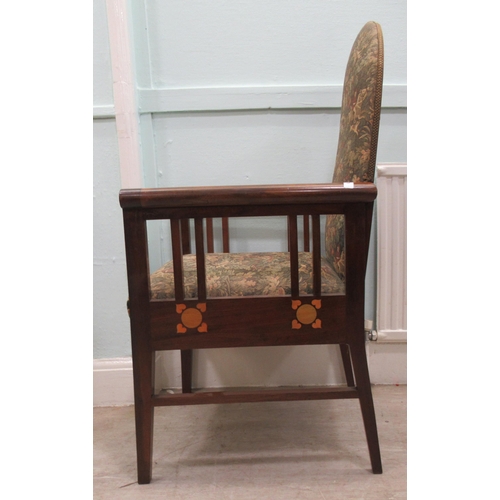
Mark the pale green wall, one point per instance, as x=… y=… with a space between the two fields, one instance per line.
x=230 y=43
x=111 y=328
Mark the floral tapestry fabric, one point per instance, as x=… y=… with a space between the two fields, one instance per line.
x=359 y=121
x=335 y=250
x=360 y=114
x=244 y=274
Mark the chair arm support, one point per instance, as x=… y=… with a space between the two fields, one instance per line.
x=246 y=195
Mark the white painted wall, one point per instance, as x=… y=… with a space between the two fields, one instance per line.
x=207 y=74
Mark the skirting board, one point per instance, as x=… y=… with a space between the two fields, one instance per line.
x=113 y=381
x=387 y=363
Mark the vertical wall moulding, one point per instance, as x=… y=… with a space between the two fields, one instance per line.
x=127 y=118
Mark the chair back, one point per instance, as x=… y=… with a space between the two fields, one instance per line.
x=359 y=125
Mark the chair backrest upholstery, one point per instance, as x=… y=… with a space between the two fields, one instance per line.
x=359 y=124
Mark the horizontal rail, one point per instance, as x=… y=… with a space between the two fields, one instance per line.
x=254 y=396
x=172 y=100
x=231 y=211
x=230 y=322
x=246 y=195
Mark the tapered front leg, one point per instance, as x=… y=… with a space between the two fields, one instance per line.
x=360 y=364
x=144 y=419
x=143 y=360
x=144 y=415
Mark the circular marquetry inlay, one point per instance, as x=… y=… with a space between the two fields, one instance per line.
x=191 y=318
x=306 y=314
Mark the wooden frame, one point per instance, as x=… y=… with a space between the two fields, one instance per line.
x=206 y=322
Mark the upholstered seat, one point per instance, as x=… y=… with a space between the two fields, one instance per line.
x=245 y=274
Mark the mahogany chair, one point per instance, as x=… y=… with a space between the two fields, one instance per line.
x=204 y=300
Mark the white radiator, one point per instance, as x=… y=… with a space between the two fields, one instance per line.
x=391 y=253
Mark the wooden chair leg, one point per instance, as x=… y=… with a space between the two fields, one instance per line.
x=144 y=416
x=346 y=360
x=360 y=364
x=187 y=369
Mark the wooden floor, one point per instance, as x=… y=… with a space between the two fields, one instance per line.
x=268 y=450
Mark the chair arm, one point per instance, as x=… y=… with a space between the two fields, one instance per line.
x=246 y=195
